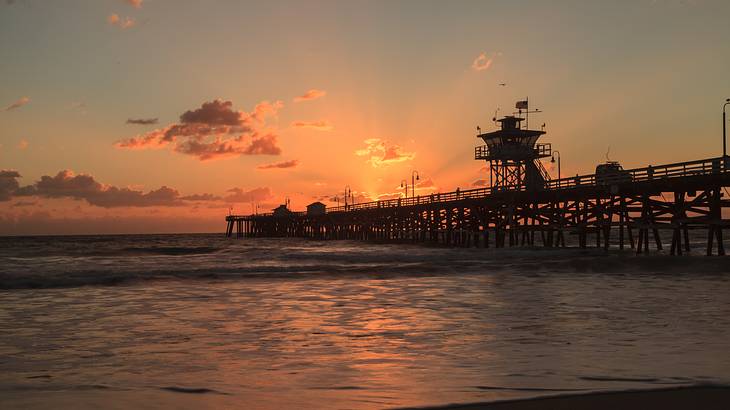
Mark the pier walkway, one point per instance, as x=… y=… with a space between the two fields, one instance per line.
x=620 y=210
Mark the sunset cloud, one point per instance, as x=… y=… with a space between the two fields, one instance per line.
x=482 y=62
x=314 y=125
x=216 y=112
x=8 y=184
x=380 y=152
x=480 y=183
x=123 y=23
x=254 y=195
x=134 y=3
x=279 y=165
x=201 y=197
x=66 y=184
x=142 y=121
x=213 y=131
x=311 y=94
x=17 y=104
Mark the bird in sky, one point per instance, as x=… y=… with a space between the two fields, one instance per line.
x=503 y=84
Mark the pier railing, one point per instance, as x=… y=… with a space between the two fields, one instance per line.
x=540 y=150
x=712 y=166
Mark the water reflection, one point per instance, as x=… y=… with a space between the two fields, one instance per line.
x=364 y=343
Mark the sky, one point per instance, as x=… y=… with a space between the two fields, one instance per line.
x=143 y=116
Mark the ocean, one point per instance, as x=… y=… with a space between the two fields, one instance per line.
x=191 y=321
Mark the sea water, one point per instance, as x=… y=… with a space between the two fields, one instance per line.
x=193 y=321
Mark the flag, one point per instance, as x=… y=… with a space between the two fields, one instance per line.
x=521 y=105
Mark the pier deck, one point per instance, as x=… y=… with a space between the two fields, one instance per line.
x=621 y=210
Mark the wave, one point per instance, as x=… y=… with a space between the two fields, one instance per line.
x=191 y=390
x=337 y=267
x=40 y=263
x=170 y=250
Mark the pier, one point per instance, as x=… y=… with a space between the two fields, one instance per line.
x=640 y=209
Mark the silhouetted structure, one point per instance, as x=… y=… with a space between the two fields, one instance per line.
x=316 y=209
x=513 y=155
x=618 y=206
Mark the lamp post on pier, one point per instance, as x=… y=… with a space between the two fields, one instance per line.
x=724 y=126
x=413 y=182
x=553 y=161
x=404 y=184
x=348 y=191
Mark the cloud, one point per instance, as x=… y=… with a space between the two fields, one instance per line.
x=263 y=145
x=78 y=106
x=66 y=184
x=17 y=104
x=482 y=62
x=279 y=165
x=315 y=125
x=201 y=197
x=134 y=3
x=216 y=112
x=266 y=109
x=142 y=121
x=380 y=152
x=390 y=195
x=480 y=183
x=254 y=195
x=123 y=23
x=425 y=183
x=311 y=94
x=214 y=131
x=22 y=145
x=8 y=184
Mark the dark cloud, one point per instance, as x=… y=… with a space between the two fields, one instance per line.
x=8 y=184
x=215 y=112
x=142 y=121
x=66 y=184
x=201 y=197
x=264 y=145
x=285 y=164
x=214 y=131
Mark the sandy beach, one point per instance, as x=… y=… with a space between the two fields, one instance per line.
x=690 y=397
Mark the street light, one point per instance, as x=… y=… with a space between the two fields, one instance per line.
x=404 y=184
x=553 y=161
x=348 y=191
x=724 y=140
x=413 y=182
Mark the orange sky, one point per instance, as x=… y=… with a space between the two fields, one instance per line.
x=160 y=118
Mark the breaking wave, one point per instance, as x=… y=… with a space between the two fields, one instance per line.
x=28 y=263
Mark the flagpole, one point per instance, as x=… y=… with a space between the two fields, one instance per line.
x=527 y=114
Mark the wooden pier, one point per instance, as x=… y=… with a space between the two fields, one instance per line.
x=654 y=208
x=638 y=208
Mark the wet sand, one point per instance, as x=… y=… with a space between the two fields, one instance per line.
x=692 y=397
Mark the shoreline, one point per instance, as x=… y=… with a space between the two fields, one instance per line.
x=707 y=397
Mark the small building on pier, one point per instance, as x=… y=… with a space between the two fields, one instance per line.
x=514 y=154
x=282 y=210
x=316 y=208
